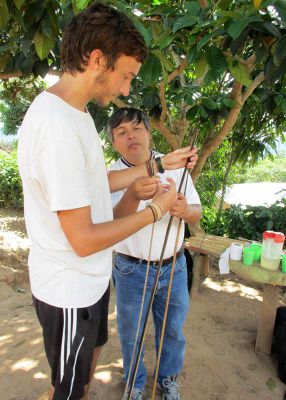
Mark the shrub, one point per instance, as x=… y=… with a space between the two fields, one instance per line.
x=11 y=193
x=251 y=221
x=248 y=222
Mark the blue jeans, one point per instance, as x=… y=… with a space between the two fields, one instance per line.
x=129 y=278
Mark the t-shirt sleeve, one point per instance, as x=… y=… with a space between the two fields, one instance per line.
x=60 y=169
x=115 y=196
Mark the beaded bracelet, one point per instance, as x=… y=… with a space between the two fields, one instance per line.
x=156 y=210
x=153 y=212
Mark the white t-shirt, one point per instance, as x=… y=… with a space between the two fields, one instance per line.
x=137 y=245
x=62 y=167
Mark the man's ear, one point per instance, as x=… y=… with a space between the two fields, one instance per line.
x=97 y=60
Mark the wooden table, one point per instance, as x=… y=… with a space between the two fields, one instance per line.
x=209 y=245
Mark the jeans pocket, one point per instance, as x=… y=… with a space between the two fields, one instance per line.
x=181 y=263
x=124 y=267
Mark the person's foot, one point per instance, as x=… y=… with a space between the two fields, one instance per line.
x=137 y=394
x=169 y=388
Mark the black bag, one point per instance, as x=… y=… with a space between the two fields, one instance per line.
x=279 y=342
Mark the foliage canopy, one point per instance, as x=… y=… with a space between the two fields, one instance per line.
x=215 y=66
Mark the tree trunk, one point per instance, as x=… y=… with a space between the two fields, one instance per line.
x=212 y=144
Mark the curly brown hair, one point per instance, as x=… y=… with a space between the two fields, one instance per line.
x=104 y=28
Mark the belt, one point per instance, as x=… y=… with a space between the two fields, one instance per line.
x=166 y=261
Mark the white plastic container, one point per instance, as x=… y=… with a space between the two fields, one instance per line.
x=272 y=246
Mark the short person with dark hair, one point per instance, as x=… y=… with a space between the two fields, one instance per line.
x=129 y=131
x=67 y=201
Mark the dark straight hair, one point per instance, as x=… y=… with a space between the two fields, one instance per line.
x=126 y=114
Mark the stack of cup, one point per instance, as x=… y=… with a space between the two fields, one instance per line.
x=248 y=255
x=283 y=261
x=257 y=248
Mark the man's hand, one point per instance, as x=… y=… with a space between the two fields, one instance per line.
x=181 y=207
x=166 y=196
x=179 y=158
x=143 y=188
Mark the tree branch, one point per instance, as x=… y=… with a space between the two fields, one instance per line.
x=257 y=81
x=178 y=70
x=167 y=133
x=18 y=74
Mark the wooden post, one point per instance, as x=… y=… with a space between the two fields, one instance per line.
x=267 y=319
x=198 y=260
x=205 y=266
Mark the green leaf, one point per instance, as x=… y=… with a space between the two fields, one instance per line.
x=4 y=61
x=27 y=41
x=238 y=43
x=19 y=3
x=257 y=3
x=207 y=37
x=192 y=113
x=210 y=103
x=281 y=11
x=236 y=27
x=201 y=66
x=280 y=51
x=164 y=39
x=273 y=29
x=184 y=22
x=80 y=4
x=279 y=100
x=193 y=55
x=240 y=73
x=216 y=62
x=283 y=105
x=151 y=70
x=166 y=64
x=228 y=102
x=224 y=4
x=43 y=44
x=193 y=8
x=41 y=68
x=141 y=28
x=203 y=112
x=4 y=48
x=46 y=26
x=273 y=73
x=4 y=14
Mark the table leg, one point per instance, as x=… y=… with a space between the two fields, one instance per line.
x=267 y=319
x=205 y=266
x=196 y=275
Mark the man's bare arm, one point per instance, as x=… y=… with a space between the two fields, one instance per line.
x=119 y=180
x=87 y=238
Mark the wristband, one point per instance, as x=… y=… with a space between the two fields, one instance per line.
x=156 y=210
x=158 y=162
x=153 y=212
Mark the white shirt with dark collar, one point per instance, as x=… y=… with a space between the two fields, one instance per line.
x=138 y=244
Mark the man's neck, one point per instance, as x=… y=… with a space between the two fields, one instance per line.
x=140 y=158
x=72 y=89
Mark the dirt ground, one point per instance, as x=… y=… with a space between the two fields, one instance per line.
x=221 y=330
